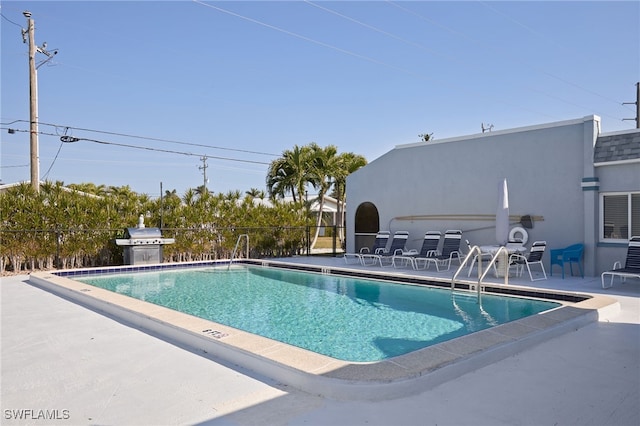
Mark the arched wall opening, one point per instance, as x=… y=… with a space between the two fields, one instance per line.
x=367 y=225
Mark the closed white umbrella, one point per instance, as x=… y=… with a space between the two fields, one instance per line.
x=502 y=214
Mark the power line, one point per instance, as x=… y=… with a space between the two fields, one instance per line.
x=71 y=139
x=9 y=20
x=11 y=167
x=376 y=29
x=542 y=71
x=406 y=71
x=311 y=40
x=54 y=161
x=148 y=138
x=420 y=76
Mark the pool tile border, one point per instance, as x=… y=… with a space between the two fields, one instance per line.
x=320 y=374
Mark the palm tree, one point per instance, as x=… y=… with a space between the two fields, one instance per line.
x=325 y=165
x=289 y=173
x=89 y=188
x=171 y=194
x=203 y=191
x=254 y=193
x=311 y=164
x=348 y=163
x=126 y=203
x=233 y=196
x=189 y=197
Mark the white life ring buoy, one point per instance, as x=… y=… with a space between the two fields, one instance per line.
x=519 y=233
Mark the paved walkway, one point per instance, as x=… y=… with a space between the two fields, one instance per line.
x=63 y=364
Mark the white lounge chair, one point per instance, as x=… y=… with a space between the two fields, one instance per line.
x=382 y=238
x=398 y=244
x=450 y=250
x=429 y=248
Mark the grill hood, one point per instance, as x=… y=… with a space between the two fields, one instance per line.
x=135 y=232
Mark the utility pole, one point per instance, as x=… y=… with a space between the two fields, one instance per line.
x=33 y=104
x=33 y=95
x=204 y=172
x=161 y=206
x=637 y=104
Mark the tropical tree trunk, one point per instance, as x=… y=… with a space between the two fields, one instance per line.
x=318 y=221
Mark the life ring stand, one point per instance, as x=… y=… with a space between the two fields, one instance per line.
x=519 y=233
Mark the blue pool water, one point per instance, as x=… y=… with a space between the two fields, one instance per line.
x=345 y=318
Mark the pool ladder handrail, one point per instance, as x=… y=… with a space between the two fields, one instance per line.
x=474 y=250
x=481 y=275
x=235 y=249
x=494 y=259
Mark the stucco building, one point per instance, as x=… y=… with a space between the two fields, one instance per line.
x=576 y=185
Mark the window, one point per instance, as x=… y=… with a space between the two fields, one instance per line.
x=620 y=213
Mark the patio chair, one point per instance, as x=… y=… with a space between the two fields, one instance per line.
x=534 y=258
x=382 y=238
x=383 y=256
x=429 y=249
x=450 y=250
x=631 y=265
x=570 y=255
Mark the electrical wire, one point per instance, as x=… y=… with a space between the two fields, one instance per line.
x=351 y=53
x=146 y=138
x=376 y=29
x=406 y=71
x=420 y=76
x=57 y=153
x=520 y=62
x=71 y=139
x=453 y=59
x=10 y=167
x=299 y=36
x=54 y=161
x=570 y=83
x=9 y=20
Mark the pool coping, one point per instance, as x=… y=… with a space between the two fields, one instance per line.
x=322 y=375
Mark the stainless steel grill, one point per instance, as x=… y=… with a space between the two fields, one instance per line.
x=142 y=245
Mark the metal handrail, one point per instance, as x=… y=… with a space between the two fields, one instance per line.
x=493 y=261
x=235 y=249
x=474 y=250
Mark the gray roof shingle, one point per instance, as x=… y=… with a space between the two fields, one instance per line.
x=618 y=147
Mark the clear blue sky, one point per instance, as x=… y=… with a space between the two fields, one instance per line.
x=249 y=80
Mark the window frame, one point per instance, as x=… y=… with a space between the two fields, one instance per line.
x=629 y=195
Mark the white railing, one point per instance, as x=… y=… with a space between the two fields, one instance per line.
x=235 y=249
x=475 y=250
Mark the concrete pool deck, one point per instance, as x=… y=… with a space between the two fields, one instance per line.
x=60 y=356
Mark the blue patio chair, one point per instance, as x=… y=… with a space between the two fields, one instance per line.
x=568 y=255
x=631 y=266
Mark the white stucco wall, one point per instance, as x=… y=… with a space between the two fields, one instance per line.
x=544 y=166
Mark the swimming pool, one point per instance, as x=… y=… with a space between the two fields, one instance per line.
x=345 y=318
x=320 y=374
